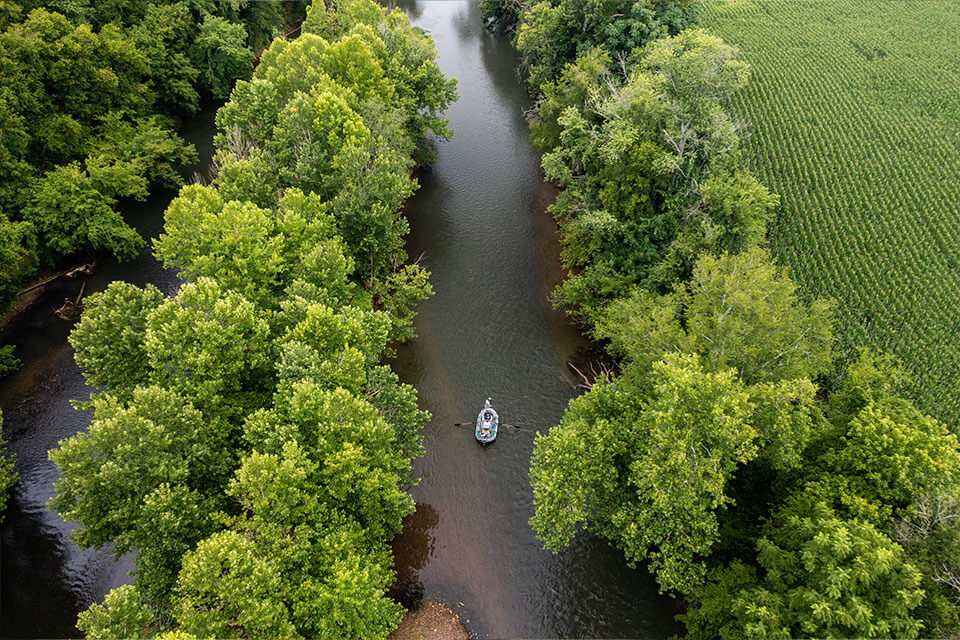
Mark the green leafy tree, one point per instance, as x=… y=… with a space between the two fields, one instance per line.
x=555 y=32
x=235 y=243
x=123 y=614
x=17 y=254
x=228 y=588
x=645 y=463
x=164 y=33
x=263 y=505
x=212 y=345
x=739 y=311
x=70 y=211
x=648 y=159
x=398 y=296
x=817 y=576
x=221 y=54
x=156 y=457
x=110 y=338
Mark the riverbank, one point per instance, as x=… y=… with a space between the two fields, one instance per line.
x=432 y=620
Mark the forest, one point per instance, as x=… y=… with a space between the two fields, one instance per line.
x=246 y=439
x=745 y=439
x=782 y=490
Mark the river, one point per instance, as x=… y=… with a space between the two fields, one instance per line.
x=479 y=220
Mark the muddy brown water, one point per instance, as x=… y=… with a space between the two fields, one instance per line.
x=479 y=221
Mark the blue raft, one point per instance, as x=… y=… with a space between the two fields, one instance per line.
x=487 y=423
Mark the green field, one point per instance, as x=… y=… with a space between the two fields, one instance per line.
x=853 y=116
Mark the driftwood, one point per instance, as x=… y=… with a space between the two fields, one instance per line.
x=70 y=309
x=73 y=272
x=588 y=382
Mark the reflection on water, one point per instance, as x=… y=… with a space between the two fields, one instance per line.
x=46 y=579
x=412 y=554
x=479 y=220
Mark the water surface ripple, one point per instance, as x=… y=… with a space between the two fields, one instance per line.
x=479 y=221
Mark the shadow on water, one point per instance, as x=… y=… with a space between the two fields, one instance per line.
x=412 y=554
x=45 y=580
x=480 y=219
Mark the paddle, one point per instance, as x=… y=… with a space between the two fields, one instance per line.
x=502 y=424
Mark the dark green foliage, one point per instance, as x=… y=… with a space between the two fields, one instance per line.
x=88 y=94
x=7 y=475
x=502 y=15
x=739 y=312
x=818 y=576
x=649 y=161
x=553 y=33
x=8 y=362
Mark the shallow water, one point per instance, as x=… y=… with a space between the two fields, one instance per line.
x=480 y=223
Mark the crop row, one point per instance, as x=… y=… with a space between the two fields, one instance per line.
x=853 y=116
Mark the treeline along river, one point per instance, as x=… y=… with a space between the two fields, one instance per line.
x=479 y=221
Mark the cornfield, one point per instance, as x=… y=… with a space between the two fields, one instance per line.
x=852 y=114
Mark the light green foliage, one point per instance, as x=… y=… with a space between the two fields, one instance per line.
x=826 y=565
x=73 y=207
x=407 y=58
x=249 y=179
x=893 y=454
x=212 y=344
x=397 y=404
x=339 y=118
x=399 y=294
x=235 y=243
x=882 y=454
x=819 y=576
x=646 y=464
x=122 y=615
x=331 y=577
x=648 y=158
x=249 y=444
x=578 y=85
x=109 y=339
x=145 y=149
x=164 y=34
x=229 y=589
x=62 y=79
x=359 y=458
x=737 y=311
x=134 y=450
x=869 y=216
x=7 y=475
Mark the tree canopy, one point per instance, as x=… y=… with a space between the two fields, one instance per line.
x=247 y=440
x=90 y=93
